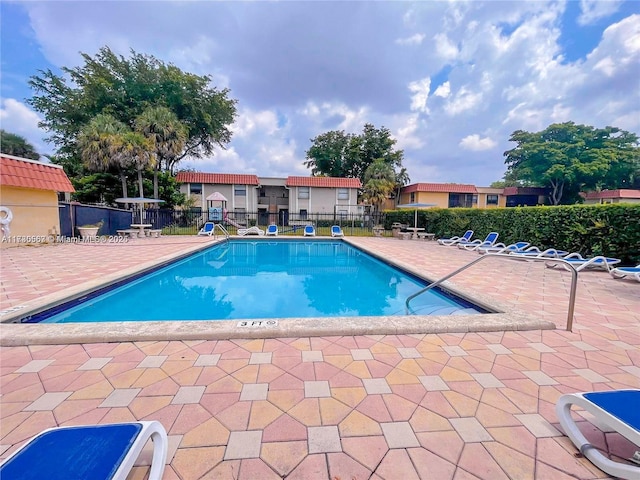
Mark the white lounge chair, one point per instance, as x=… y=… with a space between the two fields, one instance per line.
x=580 y=263
x=93 y=452
x=489 y=241
x=502 y=248
x=455 y=240
x=336 y=231
x=250 y=231
x=618 y=410
x=309 y=231
x=536 y=252
x=622 y=272
x=272 y=230
x=207 y=229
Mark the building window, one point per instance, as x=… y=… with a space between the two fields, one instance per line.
x=412 y=197
x=195 y=188
x=464 y=200
x=474 y=200
x=492 y=199
x=303 y=214
x=343 y=194
x=303 y=192
x=240 y=190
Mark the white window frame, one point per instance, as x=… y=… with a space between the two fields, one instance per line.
x=304 y=192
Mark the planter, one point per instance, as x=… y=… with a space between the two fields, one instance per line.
x=88 y=232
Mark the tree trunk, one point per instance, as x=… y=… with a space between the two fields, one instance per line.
x=556 y=193
x=140 y=184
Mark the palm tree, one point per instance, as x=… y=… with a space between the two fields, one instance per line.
x=100 y=144
x=168 y=136
x=402 y=179
x=380 y=181
x=137 y=150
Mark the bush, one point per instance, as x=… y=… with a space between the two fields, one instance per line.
x=611 y=230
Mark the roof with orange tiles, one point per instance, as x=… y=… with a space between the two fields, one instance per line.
x=25 y=173
x=622 y=193
x=440 y=187
x=217 y=178
x=324 y=182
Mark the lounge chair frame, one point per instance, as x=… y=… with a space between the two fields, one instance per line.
x=53 y=453
x=623 y=419
x=455 y=240
x=622 y=272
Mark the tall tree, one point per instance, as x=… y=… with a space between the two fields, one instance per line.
x=338 y=154
x=124 y=88
x=168 y=136
x=402 y=179
x=100 y=146
x=380 y=182
x=568 y=158
x=13 y=144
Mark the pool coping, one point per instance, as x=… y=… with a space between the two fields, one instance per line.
x=16 y=334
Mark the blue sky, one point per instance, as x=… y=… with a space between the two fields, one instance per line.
x=451 y=79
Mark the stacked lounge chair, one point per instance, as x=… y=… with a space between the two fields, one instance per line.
x=455 y=240
x=489 y=241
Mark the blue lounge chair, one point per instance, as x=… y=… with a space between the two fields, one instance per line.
x=579 y=263
x=617 y=409
x=502 y=248
x=336 y=231
x=489 y=241
x=272 y=230
x=309 y=231
x=455 y=240
x=207 y=229
x=96 y=452
x=621 y=272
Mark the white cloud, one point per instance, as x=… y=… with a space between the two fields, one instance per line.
x=445 y=47
x=593 y=10
x=462 y=101
x=19 y=119
x=477 y=144
x=412 y=40
x=443 y=90
x=420 y=95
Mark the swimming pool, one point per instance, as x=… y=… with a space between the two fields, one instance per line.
x=256 y=279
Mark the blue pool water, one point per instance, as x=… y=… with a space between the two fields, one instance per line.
x=249 y=279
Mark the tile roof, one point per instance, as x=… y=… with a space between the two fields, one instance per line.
x=217 y=178
x=25 y=173
x=324 y=182
x=622 y=193
x=440 y=187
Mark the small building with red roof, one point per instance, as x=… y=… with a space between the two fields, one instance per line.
x=29 y=198
x=624 y=195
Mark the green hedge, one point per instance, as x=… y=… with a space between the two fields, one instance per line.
x=611 y=230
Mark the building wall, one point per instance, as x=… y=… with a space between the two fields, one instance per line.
x=35 y=212
x=440 y=199
x=597 y=201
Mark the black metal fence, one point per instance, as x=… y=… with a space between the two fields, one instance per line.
x=189 y=221
x=73 y=215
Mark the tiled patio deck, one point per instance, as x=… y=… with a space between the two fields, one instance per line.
x=441 y=406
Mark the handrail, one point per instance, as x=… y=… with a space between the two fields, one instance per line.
x=572 y=269
x=221 y=227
